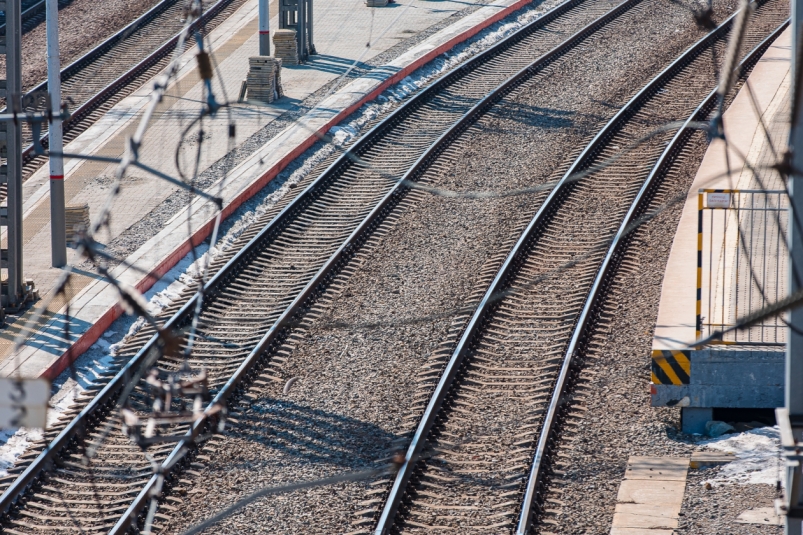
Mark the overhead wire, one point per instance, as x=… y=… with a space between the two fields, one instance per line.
x=130 y=159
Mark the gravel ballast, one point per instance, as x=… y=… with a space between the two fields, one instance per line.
x=714 y=509
x=347 y=409
x=611 y=418
x=82 y=25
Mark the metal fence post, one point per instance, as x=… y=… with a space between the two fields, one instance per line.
x=58 y=230
x=301 y=30
x=264 y=28
x=310 y=41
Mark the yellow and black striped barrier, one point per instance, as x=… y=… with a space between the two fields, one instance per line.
x=700 y=207
x=699 y=303
x=670 y=367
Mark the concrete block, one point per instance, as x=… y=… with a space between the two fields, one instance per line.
x=751 y=368
x=728 y=378
x=651 y=492
x=760 y=515
x=693 y=419
x=657 y=468
x=734 y=395
x=637 y=515
x=640 y=531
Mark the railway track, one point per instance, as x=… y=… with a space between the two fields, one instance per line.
x=516 y=359
x=118 y=66
x=282 y=264
x=121 y=64
x=33 y=14
x=256 y=295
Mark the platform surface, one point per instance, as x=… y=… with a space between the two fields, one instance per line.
x=676 y=325
x=342 y=31
x=733 y=240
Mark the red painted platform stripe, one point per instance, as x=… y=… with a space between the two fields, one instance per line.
x=93 y=333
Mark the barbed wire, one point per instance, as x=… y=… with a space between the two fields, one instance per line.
x=364 y=474
x=135 y=305
x=131 y=300
x=725 y=87
x=490 y=194
x=579 y=176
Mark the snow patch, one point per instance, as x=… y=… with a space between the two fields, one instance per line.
x=100 y=355
x=758 y=457
x=15 y=442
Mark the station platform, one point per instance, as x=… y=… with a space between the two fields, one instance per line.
x=342 y=31
x=728 y=259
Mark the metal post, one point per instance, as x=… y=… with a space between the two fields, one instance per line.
x=790 y=420
x=264 y=27
x=794 y=356
x=58 y=231
x=301 y=30
x=310 y=40
x=14 y=159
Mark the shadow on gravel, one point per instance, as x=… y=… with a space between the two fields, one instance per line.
x=313 y=435
x=605 y=104
x=547 y=118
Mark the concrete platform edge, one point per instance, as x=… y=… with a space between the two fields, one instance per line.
x=675 y=325
x=105 y=319
x=724 y=376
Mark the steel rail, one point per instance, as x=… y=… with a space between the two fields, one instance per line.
x=147 y=62
x=357 y=236
x=136 y=70
x=473 y=328
x=22 y=483
x=664 y=161
x=128 y=372
x=29 y=13
x=73 y=68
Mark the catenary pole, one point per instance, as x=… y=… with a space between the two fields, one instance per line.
x=793 y=388
x=14 y=152
x=58 y=230
x=264 y=27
